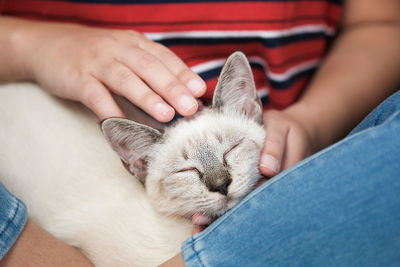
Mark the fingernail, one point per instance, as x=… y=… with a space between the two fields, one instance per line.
x=268 y=161
x=163 y=109
x=187 y=103
x=196 y=86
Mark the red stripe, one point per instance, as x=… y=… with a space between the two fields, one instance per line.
x=259 y=12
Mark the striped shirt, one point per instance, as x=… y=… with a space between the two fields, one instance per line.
x=284 y=40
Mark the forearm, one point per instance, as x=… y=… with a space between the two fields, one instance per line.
x=36 y=247
x=361 y=70
x=13 y=64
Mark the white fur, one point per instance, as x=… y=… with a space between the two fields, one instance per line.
x=54 y=157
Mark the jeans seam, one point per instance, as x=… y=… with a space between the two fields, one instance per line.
x=302 y=164
x=197 y=254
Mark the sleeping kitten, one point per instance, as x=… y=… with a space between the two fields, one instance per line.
x=55 y=159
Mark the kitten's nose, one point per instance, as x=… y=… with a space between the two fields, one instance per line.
x=222 y=187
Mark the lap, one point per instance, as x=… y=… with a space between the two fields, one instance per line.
x=338 y=207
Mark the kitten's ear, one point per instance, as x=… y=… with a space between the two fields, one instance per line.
x=236 y=89
x=132 y=142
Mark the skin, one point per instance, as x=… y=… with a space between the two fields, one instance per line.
x=35 y=247
x=94 y=63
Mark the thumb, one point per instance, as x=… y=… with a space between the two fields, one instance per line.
x=274 y=146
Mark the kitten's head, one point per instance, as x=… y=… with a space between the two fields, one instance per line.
x=205 y=164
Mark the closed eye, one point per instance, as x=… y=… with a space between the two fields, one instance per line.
x=228 y=151
x=194 y=169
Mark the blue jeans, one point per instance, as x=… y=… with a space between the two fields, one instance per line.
x=13 y=216
x=339 y=207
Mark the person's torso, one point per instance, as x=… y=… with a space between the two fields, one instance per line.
x=284 y=40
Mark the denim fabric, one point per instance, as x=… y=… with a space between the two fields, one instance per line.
x=339 y=207
x=13 y=216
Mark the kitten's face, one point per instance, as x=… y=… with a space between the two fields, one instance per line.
x=205 y=164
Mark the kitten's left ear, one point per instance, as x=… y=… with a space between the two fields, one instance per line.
x=132 y=141
x=236 y=89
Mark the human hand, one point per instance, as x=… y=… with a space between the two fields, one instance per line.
x=87 y=64
x=289 y=139
x=200 y=222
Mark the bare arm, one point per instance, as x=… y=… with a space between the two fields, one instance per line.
x=361 y=70
x=12 y=65
x=35 y=247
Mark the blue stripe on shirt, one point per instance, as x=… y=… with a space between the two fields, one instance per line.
x=268 y=42
x=279 y=85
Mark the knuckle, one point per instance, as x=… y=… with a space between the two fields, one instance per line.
x=103 y=45
x=146 y=44
x=147 y=61
x=98 y=54
x=173 y=87
x=74 y=73
x=108 y=39
x=161 y=50
x=274 y=144
x=134 y=37
x=121 y=75
x=148 y=98
x=134 y=34
x=185 y=73
x=91 y=95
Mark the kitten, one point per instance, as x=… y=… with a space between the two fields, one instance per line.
x=55 y=159
x=206 y=164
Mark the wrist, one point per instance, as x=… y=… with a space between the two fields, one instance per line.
x=21 y=49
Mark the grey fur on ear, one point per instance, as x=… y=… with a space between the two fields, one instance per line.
x=132 y=142
x=236 y=89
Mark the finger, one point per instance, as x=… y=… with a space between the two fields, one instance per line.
x=197 y=229
x=122 y=81
x=96 y=97
x=274 y=146
x=161 y=80
x=193 y=82
x=200 y=219
x=261 y=181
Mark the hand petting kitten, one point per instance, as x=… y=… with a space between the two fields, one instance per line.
x=288 y=141
x=88 y=64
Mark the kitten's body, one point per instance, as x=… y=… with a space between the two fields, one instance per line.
x=54 y=157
